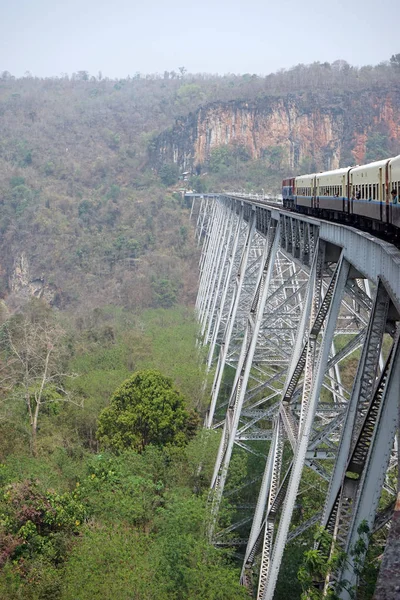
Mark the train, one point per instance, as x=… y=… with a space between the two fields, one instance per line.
x=365 y=196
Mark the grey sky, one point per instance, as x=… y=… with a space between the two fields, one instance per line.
x=121 y=37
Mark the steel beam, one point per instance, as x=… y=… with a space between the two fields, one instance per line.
x=320 y=278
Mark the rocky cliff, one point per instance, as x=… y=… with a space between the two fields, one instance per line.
x=331 y=130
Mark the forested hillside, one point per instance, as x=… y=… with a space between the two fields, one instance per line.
x=101 y=395
x=87 y=165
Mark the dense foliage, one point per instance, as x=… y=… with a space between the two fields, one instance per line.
x=79 y=523
x=81 y=201
x=144 y=410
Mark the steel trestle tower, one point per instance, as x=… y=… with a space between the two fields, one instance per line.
x=301 y=319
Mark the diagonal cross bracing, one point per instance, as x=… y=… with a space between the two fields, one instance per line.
x=285 y=301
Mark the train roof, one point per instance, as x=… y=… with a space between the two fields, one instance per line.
x=306 y=175
x=394 y=167
x=373 y=165
x=340 y=171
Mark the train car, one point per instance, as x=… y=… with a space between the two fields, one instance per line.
x=366 y=196
x=368 y=192
x=288 y=186
x=394 y=191
x=305 y=192
x=331 y=194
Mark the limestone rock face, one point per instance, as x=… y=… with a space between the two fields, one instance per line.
x=24 y=285
x=332 y=130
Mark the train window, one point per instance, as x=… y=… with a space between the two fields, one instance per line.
x=369 y=192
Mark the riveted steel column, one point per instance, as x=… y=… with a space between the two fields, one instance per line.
x=257 y=523
x=226 y=285
x=216 y=266
x=328 y=312
x=202 y=217
x=204 y=251
x=222 y=272
x=209 y=257
x=243 y=371
x=269 y=519
x=383 y=417
x=267 y=495
x=214 y=255
x=211 y=254
x=360 y=398
x=231 y=320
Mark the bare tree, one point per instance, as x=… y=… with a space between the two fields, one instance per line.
x=33 y=359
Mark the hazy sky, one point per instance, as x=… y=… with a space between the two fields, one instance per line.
x=121 y=37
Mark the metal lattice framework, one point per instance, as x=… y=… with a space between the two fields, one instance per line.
x=286 y=303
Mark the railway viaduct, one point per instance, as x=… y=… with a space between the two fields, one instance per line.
x=301 y=321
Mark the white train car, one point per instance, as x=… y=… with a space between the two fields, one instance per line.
x=332 y=189
x=368 y=185
x=394 y=191
x=305 y=190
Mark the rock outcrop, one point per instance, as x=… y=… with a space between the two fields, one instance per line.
x=23 y=285
x=331 y=130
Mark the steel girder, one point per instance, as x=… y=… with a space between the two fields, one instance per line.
x=277 y=297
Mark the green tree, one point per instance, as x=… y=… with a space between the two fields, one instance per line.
x=169 y=174
x=220 y=158
x=165 y=293
x=145 y=409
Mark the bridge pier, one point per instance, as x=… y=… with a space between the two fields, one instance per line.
x=288 y=301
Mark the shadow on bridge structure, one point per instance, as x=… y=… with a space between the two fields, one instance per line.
x=301 y=320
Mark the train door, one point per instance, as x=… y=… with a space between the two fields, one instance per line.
x=382 y=209
x=314 y=192
x=350 y=192
x=389 y=188
x=345 y=194
x=384 y=192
